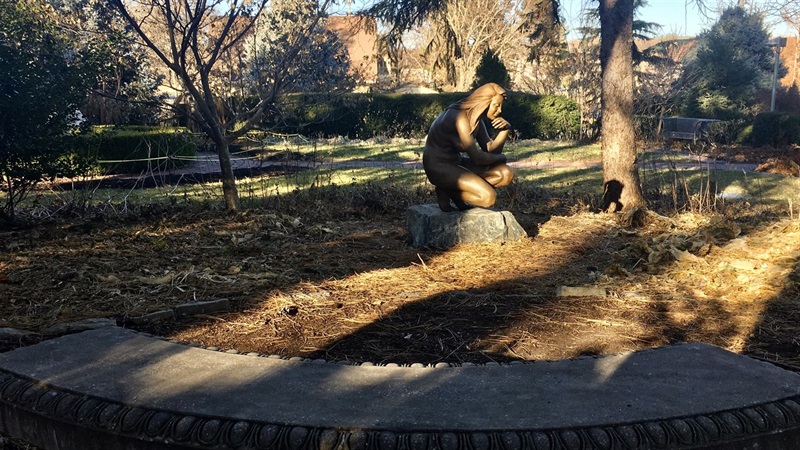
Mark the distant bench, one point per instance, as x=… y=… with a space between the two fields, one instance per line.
x=117 y=389
x=686 y=128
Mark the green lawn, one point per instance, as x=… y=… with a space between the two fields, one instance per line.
x=339 y=150
x=754 y=187
x=410 y=150
x=536 y=151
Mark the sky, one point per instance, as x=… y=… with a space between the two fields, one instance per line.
x=680 y=17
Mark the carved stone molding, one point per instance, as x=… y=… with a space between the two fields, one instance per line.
x=773 y=425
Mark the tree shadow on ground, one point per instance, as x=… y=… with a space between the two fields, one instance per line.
x=247 y=257
x=776 y=337
x=523 y=318
x=114 y=265
x=493 y=302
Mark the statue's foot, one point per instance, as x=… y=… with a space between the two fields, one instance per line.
x=443 y=199
x=462 y=206
x=446 y=207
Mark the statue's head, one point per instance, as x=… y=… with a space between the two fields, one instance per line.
x=488 y=90
x=486 y=100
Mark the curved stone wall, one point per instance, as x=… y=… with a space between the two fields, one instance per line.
x=117 y=389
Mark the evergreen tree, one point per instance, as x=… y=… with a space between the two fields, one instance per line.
x=733 y=61
x=491 y=69
x=320 y=65
x=45 y=79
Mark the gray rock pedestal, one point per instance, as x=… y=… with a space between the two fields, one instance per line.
x=429 y=226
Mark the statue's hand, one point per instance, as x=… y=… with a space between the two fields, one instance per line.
x=500 y=124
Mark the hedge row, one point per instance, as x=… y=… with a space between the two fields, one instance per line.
x=132 y=149
x=363 y=116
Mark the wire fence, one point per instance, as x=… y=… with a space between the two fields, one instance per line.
x=256 y=157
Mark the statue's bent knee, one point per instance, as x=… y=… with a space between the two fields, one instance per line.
x=508 y=172
x=485 y=198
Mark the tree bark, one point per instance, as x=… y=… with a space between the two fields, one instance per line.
x=229 y=191
x=622 y=190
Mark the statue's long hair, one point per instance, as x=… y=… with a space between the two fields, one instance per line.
x=476 y=103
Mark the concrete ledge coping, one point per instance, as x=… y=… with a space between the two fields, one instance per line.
x=114 y=388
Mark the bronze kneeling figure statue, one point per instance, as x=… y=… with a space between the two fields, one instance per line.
x=468 y=180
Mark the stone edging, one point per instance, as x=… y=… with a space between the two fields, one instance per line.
x=185 y=309
x=13 y=335
x=140 y=423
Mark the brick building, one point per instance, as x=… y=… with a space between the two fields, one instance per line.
x=360 y=37
x=789 y=56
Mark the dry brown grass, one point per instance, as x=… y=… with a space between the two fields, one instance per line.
x=346 y=285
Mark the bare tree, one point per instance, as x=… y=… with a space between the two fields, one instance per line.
x=661 y=78
x=789 y=13
x=461 y=33
x=193 y=39
x=582 y=75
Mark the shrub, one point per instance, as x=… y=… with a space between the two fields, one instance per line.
x=44 y=79
x=491 y=69
x=775 y=129
x=730 y=131
x=133 y=149
x=364 y=116
x=646 y=127
x=543 y=116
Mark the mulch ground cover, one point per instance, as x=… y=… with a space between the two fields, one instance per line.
x=346 y=285
x=778 y=160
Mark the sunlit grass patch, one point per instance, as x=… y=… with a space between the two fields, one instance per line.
x=718 y=185
x=652 y=157
x=401 y=149
x=580 y=181
x=92 y=197
x=728 y=185
x=378 y=152
x=324 y=177
x=723 y=184
x=665 y=185
x=339 y=149
x=534 y=150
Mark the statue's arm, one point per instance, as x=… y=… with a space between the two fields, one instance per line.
x=485 y=153
x=493 y=145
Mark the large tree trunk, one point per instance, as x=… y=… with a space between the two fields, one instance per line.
x=622 y=190
x=229 y=191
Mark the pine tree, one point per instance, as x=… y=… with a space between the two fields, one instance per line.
x=491 y=70
x=732 y=63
